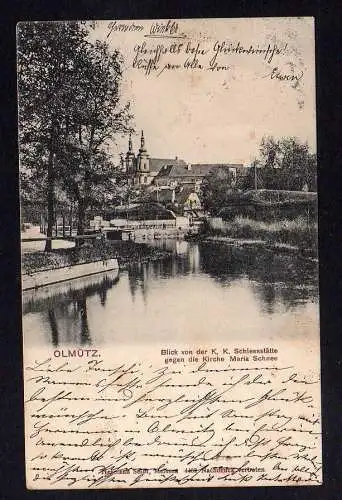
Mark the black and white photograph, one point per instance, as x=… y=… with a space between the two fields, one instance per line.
x=168 y=193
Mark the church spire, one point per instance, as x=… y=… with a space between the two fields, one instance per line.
x=130 y=156
x=143 y=161
x=142 y=143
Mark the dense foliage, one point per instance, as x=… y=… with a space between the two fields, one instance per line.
x=285 y=164
x=216 y=188
x=69 y=112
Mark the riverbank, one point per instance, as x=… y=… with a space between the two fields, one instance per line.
x=127 y=252
x=295 y=235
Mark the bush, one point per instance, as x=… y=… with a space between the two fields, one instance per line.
x=297 y=232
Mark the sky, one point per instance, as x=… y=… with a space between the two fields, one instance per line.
x=217 y=116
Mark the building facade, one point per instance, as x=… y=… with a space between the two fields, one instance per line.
x=141 y=169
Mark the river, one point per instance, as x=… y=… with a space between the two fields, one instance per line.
x=203 y=292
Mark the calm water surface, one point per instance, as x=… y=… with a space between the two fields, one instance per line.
x=202 y=292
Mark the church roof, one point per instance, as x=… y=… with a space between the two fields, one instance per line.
x=174 y=170
x=196 y=169
x=156 y=164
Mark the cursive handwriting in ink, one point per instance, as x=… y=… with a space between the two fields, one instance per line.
x=100 y=423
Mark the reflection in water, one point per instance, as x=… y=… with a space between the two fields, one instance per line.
x=286 y=278
x=138 y=277
x=53 y=326
x=206 y=289
x=65 y=306
x=75 y=315
x=82 y=308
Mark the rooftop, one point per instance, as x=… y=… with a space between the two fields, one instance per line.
x=156 y=164
x=196 y=169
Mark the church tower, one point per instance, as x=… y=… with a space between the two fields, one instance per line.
x=143 y=162
x=130 y=157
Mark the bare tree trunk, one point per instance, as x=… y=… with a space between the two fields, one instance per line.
x=80 y=221
x=70 y=228
x=50 y=202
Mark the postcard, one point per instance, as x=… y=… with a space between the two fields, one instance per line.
x=170 y=300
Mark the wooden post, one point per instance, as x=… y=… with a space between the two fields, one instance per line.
x=56 y=225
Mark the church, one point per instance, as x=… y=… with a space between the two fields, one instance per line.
x=141 y=169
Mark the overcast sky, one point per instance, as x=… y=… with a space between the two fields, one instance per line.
x=220 y=116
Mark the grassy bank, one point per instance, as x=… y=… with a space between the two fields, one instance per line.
x=125 y=251
x=296 y=233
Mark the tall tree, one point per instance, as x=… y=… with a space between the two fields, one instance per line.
x=287 y=164
x=216 y=187
x=46 y=52
x=96 y=116
x=68 y=111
